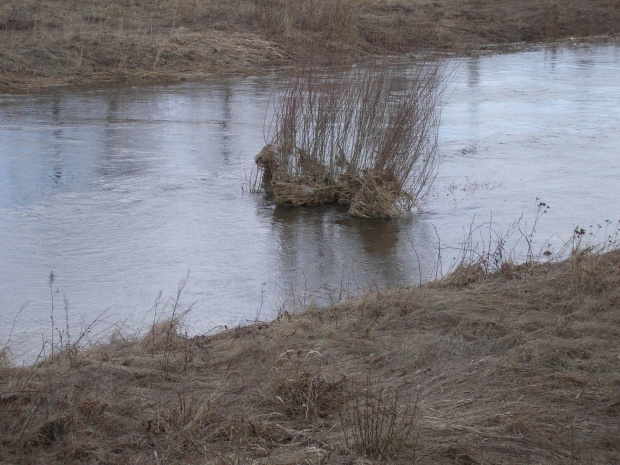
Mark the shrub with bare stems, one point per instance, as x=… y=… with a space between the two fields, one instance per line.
x=377 y=425
x=365 y=138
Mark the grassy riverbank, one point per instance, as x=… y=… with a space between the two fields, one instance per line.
x=521 y=366
x=68 y=41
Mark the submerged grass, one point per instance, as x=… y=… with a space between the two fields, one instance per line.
x=518 y=365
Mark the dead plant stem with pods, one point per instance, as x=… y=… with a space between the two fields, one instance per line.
x=365 y=137
x=60 y=341
x=487 y=249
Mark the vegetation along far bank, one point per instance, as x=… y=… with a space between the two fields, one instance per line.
x=66 y=41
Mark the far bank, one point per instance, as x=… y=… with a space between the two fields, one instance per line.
x=65 y=42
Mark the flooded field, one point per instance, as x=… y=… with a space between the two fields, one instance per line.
x=122 y=192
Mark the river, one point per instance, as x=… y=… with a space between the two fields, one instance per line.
x=123 y=191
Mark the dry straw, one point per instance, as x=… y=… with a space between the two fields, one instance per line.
x=517 y=366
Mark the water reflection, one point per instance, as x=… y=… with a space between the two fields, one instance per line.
x=334 y=252
x=122 y=143
x=226 y=121
x=551 y=56
x=473 y=71
x=58 y=176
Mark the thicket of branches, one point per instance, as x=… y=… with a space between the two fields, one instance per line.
x=366 y=138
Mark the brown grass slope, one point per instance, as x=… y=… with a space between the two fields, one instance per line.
x=522 y=366
x=45 y=42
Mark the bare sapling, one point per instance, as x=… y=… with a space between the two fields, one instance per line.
x=365 y=138
x=379 y=424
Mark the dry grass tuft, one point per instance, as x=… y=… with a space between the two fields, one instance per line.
x=464 y=275
x=303 y=195
x=335 y=18
x=304 y=394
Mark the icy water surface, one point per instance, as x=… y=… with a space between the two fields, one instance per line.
x=121 y=191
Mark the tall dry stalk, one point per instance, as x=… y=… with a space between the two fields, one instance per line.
x=333 y=17
x=368 y=132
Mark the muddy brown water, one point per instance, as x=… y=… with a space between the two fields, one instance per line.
x=121 y=191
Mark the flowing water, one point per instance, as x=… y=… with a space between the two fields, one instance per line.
x=121 y=191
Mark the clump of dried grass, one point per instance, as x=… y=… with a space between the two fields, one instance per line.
x=378 y=195
x=302 y=195
x=301 y=393
x=364 y=137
